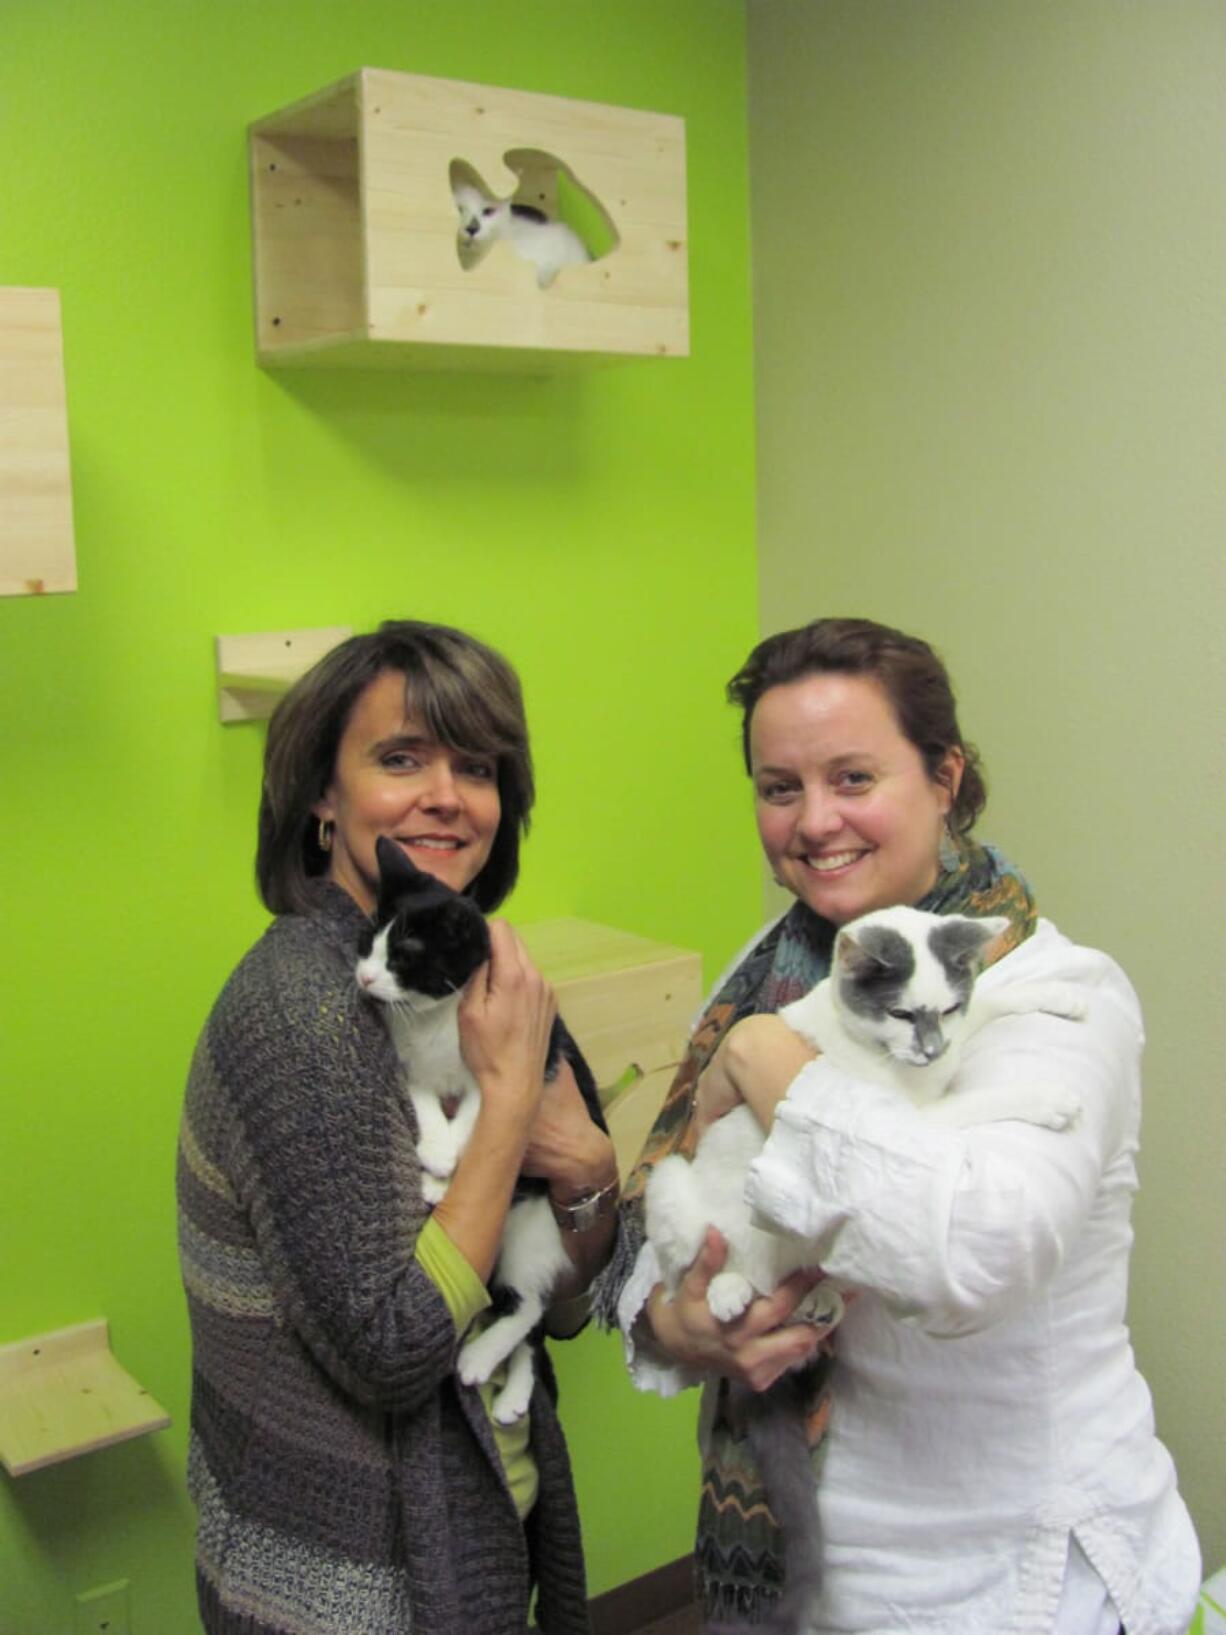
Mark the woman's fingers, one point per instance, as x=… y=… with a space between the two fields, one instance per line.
x=505 y=1017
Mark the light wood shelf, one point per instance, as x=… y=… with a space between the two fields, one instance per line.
x=254 y=670
x=629 y=1001
x=37 y=547
x=354 y=228
x=64 y=1394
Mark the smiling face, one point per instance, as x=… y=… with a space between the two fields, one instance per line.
x=848 y=816
x=440 y=804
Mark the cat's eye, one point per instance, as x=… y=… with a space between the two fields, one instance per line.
x=902 y=1016
x=952 y=1010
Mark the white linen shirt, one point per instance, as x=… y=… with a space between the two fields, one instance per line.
x=991 y=1463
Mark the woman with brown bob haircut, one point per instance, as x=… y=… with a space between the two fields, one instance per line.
x=344 y=1477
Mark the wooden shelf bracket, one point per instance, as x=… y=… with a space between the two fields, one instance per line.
x=64 y=1394
x=254 y=671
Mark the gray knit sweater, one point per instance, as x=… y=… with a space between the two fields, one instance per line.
x=346 y=1483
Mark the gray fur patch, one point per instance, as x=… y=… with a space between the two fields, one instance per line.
x=876 y=965
x=959 y=946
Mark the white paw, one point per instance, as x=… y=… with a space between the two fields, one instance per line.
x=512 y=1403
x=478 y=1358
x=1054 y=1109
x=432 y=1189
x=728 y=1295
x=822 y=1306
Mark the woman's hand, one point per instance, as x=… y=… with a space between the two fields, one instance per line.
x=505 y=1018
x=564 y=1145
x=755 y=1063
x=756 y=1347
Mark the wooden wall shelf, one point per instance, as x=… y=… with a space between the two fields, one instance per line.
x=629 y=1001
x=64 y=1394
x=354 y=229
x=37 y=549
x=253 y=671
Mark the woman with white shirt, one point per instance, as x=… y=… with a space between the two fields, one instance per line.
x=987 y=1459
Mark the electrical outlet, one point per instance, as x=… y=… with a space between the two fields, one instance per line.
x=103 y=1611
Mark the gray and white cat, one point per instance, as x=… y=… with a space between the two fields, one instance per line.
x=548 y=245
x=425 y=943
x=898 y=1007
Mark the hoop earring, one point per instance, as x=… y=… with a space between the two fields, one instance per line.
x=325 y=835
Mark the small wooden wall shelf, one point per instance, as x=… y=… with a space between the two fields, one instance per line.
x=63 y=1394
x=354 y=229
x=37 y=550
x=253 y=671
x=629 y=1002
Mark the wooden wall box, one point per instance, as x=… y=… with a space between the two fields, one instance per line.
x=354 y=228
x=37 y=552
x=629 y=1001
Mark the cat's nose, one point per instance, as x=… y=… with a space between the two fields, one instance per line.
x=366 y=978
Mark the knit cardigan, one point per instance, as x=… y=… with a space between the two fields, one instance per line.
x=345 y=1480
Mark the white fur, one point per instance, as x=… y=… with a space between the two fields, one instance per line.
x=883 y=1052
x=548 y=245
x=531 y=1256
x=531 y=1259
x=685 y=1197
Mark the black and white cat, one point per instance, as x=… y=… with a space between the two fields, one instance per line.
x=898 y=1007
x=425 y=943
x=548 y=245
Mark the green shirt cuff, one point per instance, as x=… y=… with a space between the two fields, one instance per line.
x=462 y=1290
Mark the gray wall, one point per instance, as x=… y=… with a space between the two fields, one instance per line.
x=990 y=306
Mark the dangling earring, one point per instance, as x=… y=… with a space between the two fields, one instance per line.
x=325 y=835
x=948 y=855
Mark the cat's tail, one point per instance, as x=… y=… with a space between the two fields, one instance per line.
x=775 y=1430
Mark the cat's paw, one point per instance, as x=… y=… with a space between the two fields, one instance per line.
x=1054 y=1107
x=432 y=1189
x=478 y=1358
x=512 y=1401
x=728 y=1295
x=822 y=1307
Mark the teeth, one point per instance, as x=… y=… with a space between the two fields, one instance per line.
x=832 y=861
x=434 y=845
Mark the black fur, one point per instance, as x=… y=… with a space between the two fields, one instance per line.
x=437 y=940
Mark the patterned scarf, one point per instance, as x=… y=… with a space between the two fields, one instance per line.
x=739 y=1553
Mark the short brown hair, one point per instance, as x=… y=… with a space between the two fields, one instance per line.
x=467 y=696
x=908 y=670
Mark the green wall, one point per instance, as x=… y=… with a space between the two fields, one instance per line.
x=599 y=528
x=990 y=307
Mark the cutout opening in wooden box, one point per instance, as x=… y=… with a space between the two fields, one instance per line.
x=358 y=231
x=37 y=550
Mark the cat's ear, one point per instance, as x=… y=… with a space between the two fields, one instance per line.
x=395 y=871
x=962 y=941
x=856 y=958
